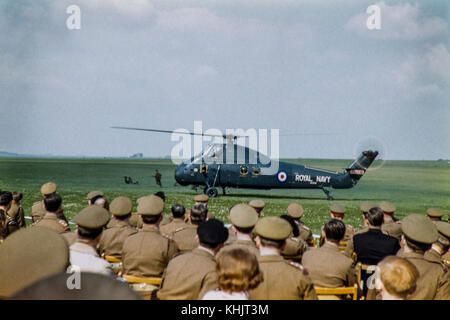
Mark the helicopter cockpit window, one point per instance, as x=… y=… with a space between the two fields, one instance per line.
x=244 y=169
x=256 y=171
x=213 y=153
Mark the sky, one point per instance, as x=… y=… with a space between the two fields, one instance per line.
x=311 y=69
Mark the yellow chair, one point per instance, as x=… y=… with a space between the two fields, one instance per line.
x=311 y=242
x=342 y=245
x=145 y=286
x=334 y=293
x=115 y=263
x=366 y=267
x=111 y=258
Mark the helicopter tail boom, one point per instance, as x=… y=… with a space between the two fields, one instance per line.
x=360 y=165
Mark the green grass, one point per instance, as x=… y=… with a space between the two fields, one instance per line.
x=413 y=186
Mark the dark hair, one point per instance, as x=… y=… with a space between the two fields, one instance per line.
x=87 y=233
x=161 y=195
x=121 y=218
x=295 y=230
x=375 y=216
x=417 y=246
x=150 y=219
x=334 y=230
x=244 y=230
x=92 y=201
x=272 y=243
x=52 y=202
x=178 y=210
x=17 y=195
x=5 y=198
x=199 y=212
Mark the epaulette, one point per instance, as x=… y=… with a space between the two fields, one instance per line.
x=299 y=266
x=64 y=224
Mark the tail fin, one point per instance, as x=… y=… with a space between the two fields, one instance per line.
x=360 y=165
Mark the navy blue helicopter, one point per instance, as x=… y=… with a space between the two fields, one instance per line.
x=229 y=165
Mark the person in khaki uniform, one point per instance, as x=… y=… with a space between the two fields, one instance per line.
x=326 y=265
x=16 y=211
x=185 y=236
x=440 y=248
x=52 y=206
x=295 y=246
x=258 y=205
x=283 y=280
x=177 y=223
x=38 y=210
x=391 y=225
x=147 y=253
x=83 y=254
x=5 y=204
x=135 y=219
x=112 y=239
x=364 y=207
x=189 y=276
x=418 y=235
x=243 y=219
x=295 y=210
x=37 y=254
x=435 y=214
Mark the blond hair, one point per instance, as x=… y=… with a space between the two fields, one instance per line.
x=238 y=270
x=398 y=276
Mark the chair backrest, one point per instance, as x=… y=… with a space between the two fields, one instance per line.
x=342 y=245
x=155 y=281
x=366 y=267
x=329 y=293
x=311 y=242
x=111 y=258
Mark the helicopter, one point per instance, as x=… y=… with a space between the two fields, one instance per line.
x=229 y=165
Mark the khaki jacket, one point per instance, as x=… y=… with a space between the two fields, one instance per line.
x=185 y=238
x=112 y=239
x=189 y=276
x=392 y=228
x=147 y=253
x=241 y=244
x=16 y=212
x=433 y=283
x=283 y=280
x=51 y=221
x=328 y=267
x=173 y=226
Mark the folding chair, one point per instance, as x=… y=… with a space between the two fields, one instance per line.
x=115 y=263
x=335 y=293
x=145 y=286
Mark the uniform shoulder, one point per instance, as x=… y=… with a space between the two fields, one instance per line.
x=298 y=267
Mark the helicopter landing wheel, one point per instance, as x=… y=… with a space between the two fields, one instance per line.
x=212 y=192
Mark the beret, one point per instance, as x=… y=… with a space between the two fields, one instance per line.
x=243 y=215
x=29 y=255
x=257 y=204
x=443 y=228
x=435 y=212
x=121 y=206
x=366 y=206
x=201 y=198
x=387 y=207
x=273 y=228
x=93 y=286
x=92 y=217
x=48 y=188
x=150 y=206
x=295 y=210
x=337 y=209
x=419 y=228
x=212 y=232
x=91 y=195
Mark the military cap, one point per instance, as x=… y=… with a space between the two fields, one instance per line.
x=121 y=206
x=93 y=286
x=443 y=228
x=150 y=206
x=48 y=188
x=387 y=207
x=29 y=255
x=212 y=232
x=201 y=198
x=273 y=228
x=257 y=204
x=91 y=195
x=435 y=212
x=419 y=228
x=366 y=206
x=295 y=210
x=243 y=215
x=337 y=210
x=92 y=217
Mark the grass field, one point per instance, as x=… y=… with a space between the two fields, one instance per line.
x=413 y=186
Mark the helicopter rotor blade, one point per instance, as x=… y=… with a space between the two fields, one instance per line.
x=173 y=131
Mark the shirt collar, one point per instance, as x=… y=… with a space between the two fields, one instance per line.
x=206 y=249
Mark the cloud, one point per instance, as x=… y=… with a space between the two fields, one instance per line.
x=399 y=22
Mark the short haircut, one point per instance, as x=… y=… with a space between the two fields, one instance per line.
x=17 y=195
x=151 y=219
x=161 y=194
x=295 y=230
x=398 y=275
x=375 y=216
x=52 y=202
x=199 y=213
x=244 y=230
x=238 y=270
x=178 y=210
x=5 y=198
x=334 y=230
x=87 y=233
x=417 y=246
x=272 y=243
